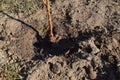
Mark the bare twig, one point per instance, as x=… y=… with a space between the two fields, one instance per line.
x=51 y=36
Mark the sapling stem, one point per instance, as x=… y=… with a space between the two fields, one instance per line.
x=51 y=36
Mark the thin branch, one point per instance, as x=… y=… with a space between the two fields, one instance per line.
x=51 y=36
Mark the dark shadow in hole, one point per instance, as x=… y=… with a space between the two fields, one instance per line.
x=61 y=47
x=111 y=69
x=64 y=45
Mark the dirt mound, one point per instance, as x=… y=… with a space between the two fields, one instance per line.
x=87 y=47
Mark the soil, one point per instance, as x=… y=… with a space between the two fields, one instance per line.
x=87 y=46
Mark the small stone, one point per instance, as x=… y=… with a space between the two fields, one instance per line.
x=109 y=47
x=14 y=57
x=118 y=65
x=79 y=50
x=7 y=42
x=89 y=58
x=11 y=61
x=10 y=53
x=115 y=43
x=3 y=58
x=93 y=46
x=1 y=44
x=92 y=74
x=54 y=68
x=1 y=28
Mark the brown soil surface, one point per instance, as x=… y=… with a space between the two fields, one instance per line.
x=87 y=46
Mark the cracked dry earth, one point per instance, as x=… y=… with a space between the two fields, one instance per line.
x=87 y=47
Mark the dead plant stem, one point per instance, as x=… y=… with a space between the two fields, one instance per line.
x=49 y=20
